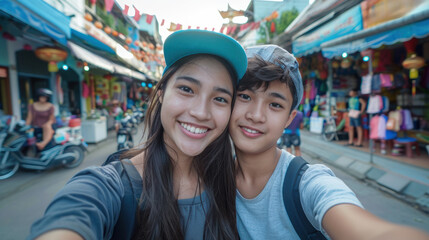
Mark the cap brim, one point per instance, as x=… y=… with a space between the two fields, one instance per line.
x=193 y=41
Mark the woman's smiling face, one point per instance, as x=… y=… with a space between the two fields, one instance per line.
x=196 y=105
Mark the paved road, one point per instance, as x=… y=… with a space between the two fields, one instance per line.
x=20 y=206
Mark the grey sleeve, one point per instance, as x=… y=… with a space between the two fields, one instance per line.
x=320 y=190
x=89 y=204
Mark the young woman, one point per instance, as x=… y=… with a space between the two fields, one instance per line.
x=185 y=166
x=41 y=117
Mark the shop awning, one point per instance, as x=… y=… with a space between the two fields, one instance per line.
x=91 y=58
x=39 y=15
x=346 y=23
x=128 y=72
x=398 y=30
x=91 y=41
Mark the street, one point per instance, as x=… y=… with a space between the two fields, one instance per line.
x=33 y=192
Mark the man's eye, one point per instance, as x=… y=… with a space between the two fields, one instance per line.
x=244 y=96
x=186 y=89
x=221 y=99
x=276 y=105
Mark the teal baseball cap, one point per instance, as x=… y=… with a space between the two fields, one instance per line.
x=188 y=42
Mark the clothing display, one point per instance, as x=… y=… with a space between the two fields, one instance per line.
x=375 y=104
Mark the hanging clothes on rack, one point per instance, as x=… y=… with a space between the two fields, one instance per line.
x=365 y=87
x=375 y=104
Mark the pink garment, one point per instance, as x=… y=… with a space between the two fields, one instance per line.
x=373 y=127
x=386 y=80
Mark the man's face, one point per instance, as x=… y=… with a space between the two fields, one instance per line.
x=260 y=116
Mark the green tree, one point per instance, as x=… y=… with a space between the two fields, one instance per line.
x=281 y=23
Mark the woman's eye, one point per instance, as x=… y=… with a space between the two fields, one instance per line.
x=244 y=96
x=221 y=99
x=186 y=89
x=276 y=105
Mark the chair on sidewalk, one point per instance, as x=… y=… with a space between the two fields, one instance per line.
x=409 y=144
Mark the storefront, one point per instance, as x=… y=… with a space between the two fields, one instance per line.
x=25 y=27
x=372 y=49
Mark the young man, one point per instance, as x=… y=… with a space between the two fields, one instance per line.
x=266 y=100
x=291 y=134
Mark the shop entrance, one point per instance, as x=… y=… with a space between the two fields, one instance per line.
x=5 y=100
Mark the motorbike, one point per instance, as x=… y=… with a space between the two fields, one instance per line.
x=17 y=150
x=124 y=136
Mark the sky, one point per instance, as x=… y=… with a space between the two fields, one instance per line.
x=202 y=13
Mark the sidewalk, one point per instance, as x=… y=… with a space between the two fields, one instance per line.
x=405 y=181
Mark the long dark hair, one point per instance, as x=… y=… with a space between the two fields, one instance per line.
x=159 y=215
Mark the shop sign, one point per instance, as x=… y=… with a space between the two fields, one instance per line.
x=346 y=23
x=100 y=35
x=375 y=12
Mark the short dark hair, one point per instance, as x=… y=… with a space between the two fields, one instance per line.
x=260 y=73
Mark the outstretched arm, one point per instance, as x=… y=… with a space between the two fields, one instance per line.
x=60 y=234
x=346 y=221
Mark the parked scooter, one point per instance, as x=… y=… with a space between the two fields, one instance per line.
x=124 y=136
x=15 y=152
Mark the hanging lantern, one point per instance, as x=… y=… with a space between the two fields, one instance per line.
x=115 y=33
x=413 y=62
x=144 y=44
x=51 y=55
x=107 y=30
x=126 y=47
x=88 y=17
x=98 y=25
x=151 y=46
x=128 y=40
x=137 y=42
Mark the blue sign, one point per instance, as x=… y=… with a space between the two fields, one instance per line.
x=347 y=23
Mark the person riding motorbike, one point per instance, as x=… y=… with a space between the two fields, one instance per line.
x=41 y=117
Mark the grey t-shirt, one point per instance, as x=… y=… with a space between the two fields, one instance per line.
x=265 y=216
x=90 y=205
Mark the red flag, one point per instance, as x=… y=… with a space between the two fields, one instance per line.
x=221 y=29
x=273 y=27
x=162 y=22
x=213 y=29
x=228 y=30
x=205 y=28
x=125 y=11
x=189 y=27
x=149 y=19
x=109 y=4
x=178 y=26
x=137 y=15
x=198 y=27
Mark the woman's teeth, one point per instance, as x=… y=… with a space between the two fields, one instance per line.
x=193 y=129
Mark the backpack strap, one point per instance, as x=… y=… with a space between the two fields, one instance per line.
x=125 y=224
x=292 y=201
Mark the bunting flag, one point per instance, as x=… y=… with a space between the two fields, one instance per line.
x=125 y=11
x=172 y=27
x=221 y=29
x=178 y=26
x=109 y=4
x=137 y=15
x=162 y=22
x=189 y=27
x=149 y=19
x=273 y=27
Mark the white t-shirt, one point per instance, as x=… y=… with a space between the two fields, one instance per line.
x=265 y=216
